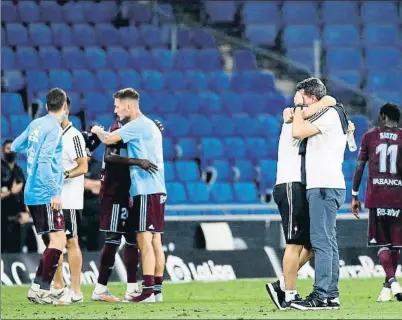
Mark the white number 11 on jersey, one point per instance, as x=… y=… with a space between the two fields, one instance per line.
x=384 y=150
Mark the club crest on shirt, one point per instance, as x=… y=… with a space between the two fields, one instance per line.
x=34 y=136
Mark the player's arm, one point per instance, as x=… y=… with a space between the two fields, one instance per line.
x=107 y=137
x=80 y=155
x=111 y=156
x=20 y=143
x=302 y=128
x=325 y=102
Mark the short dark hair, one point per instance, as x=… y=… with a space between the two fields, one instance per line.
x=127 y=93
x=68 y=101
x=391 y=111
x=6 y=142
x=312 y=87
x=55 y=99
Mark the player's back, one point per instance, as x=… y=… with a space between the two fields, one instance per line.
x=383 y=146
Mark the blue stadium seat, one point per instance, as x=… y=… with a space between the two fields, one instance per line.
x=245 y=192
x=83 y=35
x=244 y=170
x=269 y=125
x=235 y=148
x=243 y=81
x=97 y=103
x=117 y=57
x=210 y=103
x=257 y=148
x=348 y=168
x=3 y=37
x=11 y=104
x=27 y=58
x=303 y=56
x=28 y=11
x=244 y=60
x=211 y=149
x=73 y=57
x=331 y=12
x=352 y=78
x=300 y=36
x=76 y=121
x=61 y=34
x=231 y=102
x=165 y=13
x=296 y=12
x=195 y=81
x=268 y=173
x=83 y=80
x=107 y=35
x=261 y=34
x=50 y=58
x=218 y=81
x=170 y=173
x=163 y=59
x=166 y=103
x=108 y=80
x=383 y=58
x=209 y=60
x=174 y=81
x=198 y=192
x=152 y=81
x=130 y=36
x=151 y=36
x=187 y=149
x=75 y=102
x=184 y=37
x=148 y=103
x=168 y=149
x=275 y=101
x=344 y=59
x=220 y=11
x=50 y=11
x=380 y=35
x=186 y=59
x=245 y=125
x=259 y=12
x=37 y=80
x=254 y=102
x=101 y=12
x=221 y=192
x=18 y=123
x=187 y=171
x=203 y=39
x=141 y=59
x=263 y=82
x=188 y=102
x=384 y=80
x=140 y=13
x=73 y=12
x=17 y=34
x=95 y=58
x=176 y=192
x=177 y=125
x=105 y=120
x=341 y=36
x=5 y=126
x=13 y=80
x=379 y=11
x=129 y=78
x=39 y=34
x=222 y=125
x=7 y=58
x=9 y=12
x=221 y=170
x=200 y=125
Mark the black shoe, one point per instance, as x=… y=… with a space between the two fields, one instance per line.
x=286 y=304
x=310 y=303
x=334 y=304
x=276 y=294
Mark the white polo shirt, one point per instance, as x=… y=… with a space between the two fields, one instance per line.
x=325 y=153
x=289 y=160
x=72 y=195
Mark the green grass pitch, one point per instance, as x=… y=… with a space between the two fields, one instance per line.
x=239 y=299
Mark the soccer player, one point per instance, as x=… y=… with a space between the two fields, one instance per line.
x=382 y=148
x=75 y=165
x=290 y=196
x=43 y=145
x=148 y=191
x=115 y=195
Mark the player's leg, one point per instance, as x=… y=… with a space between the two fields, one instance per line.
x=395 y=227
x=131 y=261
x=159 y=265
x=75 y=263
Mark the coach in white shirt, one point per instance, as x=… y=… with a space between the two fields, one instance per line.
x=325 y=191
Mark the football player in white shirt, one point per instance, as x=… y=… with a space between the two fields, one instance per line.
x=75 y=165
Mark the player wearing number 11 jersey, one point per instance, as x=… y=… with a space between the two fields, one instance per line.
x=382 y=148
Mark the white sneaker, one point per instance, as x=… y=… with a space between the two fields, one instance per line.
x=59 y=292
x=104 y=296
x=45 y=297
x=76 y=298
x=159 y=297
x=385 y=295
x=32 y=295
x=396 y=290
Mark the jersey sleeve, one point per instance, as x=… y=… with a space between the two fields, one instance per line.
x=21 y=142
x=324 y=122
x=129 y=132
x=364 y=149
x=77 y=148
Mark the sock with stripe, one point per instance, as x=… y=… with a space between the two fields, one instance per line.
x=158 y=285
x=290 y=295
x=131 y=258
x=51 y=258
x=108 y=256
x=282 y=282
x=148 y=284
